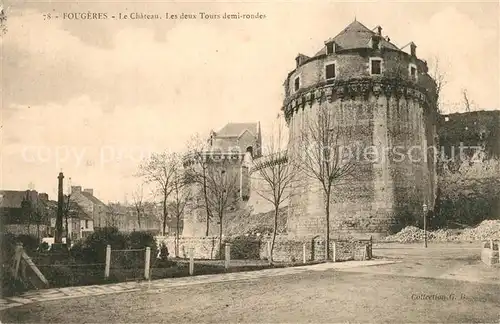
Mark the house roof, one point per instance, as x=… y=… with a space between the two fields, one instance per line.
x=148 y=210
x=92 y=198
x=75 y=210
x=236 y=129
x=14 y=198
x=354 y=36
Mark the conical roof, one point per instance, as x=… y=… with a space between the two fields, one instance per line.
x=356 y=35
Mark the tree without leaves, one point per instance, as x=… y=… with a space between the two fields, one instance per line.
x=137 y=198
x=273 y=181
x=222 y=190
x=3 y=20
x=466 y=100
x=198 y=173
x=181 y=195
x=114 y=215
x=322 y=156
x=439 y=76
x=159 y=170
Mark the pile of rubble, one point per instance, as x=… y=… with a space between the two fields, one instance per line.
x=488 y=229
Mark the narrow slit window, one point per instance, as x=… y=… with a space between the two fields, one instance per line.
x=297 y=83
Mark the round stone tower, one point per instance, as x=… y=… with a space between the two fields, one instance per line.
x=386 y=96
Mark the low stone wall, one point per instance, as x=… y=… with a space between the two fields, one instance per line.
x=204 y=247
x=490 y=253
x=290 y=250
x=286 y=249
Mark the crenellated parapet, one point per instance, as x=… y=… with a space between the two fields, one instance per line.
x=212 y=156
x=356 y=88
x=269 y=160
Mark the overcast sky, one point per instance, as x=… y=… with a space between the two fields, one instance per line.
x=100 y=94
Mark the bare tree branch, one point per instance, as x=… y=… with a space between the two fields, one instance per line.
x=159 y=169
x=439 y=76
x=138 y=198
x=273 y=176
x=322 y=156
x=199 y=160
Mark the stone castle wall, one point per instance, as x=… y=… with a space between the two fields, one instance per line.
x=259 y=188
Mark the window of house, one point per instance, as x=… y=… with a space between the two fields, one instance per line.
x=296 y=84
x=375 y=66
x=330 y=71
x=86 y=224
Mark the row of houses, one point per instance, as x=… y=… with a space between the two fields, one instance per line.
x=30 y=212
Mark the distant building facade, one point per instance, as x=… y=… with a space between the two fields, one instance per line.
x=92 y=206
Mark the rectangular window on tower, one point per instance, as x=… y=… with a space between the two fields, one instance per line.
x=330 y=71
x=376 y=66
x=297 y=84
x=413 y=72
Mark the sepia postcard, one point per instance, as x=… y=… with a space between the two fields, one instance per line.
x=177 y=161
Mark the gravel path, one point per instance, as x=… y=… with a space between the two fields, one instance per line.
x=306 y=297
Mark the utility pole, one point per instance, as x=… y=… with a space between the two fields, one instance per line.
x=424 y=208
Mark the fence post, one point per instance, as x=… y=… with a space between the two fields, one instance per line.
x=228 y=255
x=191 y=261
x=17 y=259
x=147 y=262
x=326 y=250
x=108 y=262
x=304 y=257
x=269 y=251
x=334 y=251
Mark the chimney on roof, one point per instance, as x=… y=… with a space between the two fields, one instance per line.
x=387 y=38
x=76 y=189
x=90 y=191
x=379 y=30
x=413 y=49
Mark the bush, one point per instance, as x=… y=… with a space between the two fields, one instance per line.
x=30 y=242
x=93 y=249
x=141 y=240
x=243 y=247
x=8 y=244
x=11 y=286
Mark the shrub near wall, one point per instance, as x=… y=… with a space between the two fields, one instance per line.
x=244 y=247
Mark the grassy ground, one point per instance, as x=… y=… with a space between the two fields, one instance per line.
x=312 y=297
